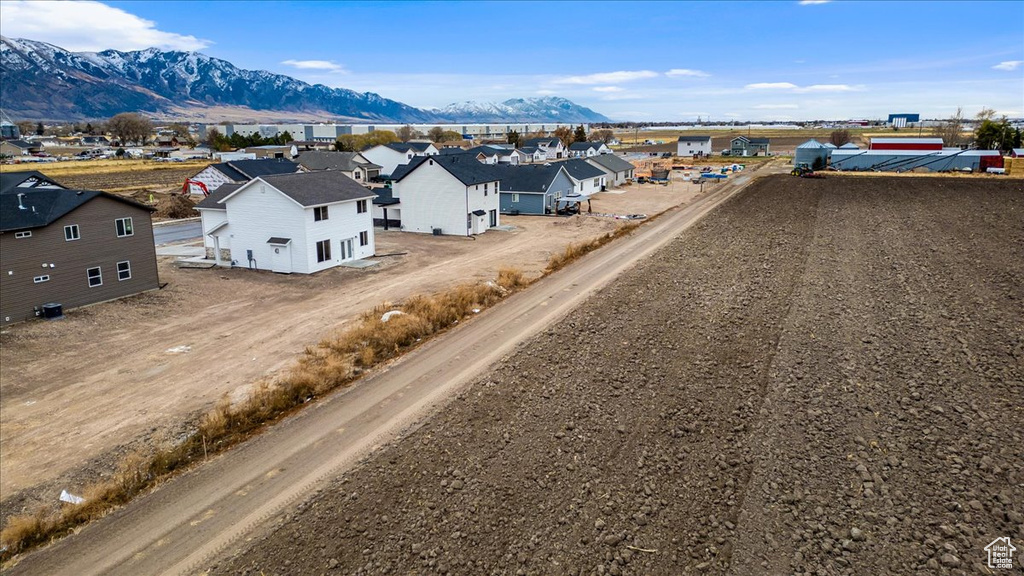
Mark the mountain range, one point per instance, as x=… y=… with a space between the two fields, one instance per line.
x=40 y=81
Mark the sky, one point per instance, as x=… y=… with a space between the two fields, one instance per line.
x=659 y=61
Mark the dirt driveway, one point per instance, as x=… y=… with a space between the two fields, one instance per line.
x=78 y=392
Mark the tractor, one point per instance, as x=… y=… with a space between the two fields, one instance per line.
x=804 y=170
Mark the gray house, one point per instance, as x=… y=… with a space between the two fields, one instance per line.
x=744 y=146
x=352 y=164
x=533 y=189
x=618 y=170
x=69 y=247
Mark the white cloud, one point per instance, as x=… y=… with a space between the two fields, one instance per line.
x=88 y=26
x=607 y=77
x=790 y=87
x=776 y=107
x=771 y=86
x=1008 y=65
x=607 y=89
x=813 y=2
x=545 y=92
x=315 y=65
x=675 y=72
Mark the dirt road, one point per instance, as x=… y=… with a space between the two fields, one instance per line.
x=181 y=524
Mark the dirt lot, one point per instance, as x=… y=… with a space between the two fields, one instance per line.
x=823 y=377
x=78 y=392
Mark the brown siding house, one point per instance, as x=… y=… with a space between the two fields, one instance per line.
x=71 y=247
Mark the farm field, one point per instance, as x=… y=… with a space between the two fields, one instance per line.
x=821 y=377
x=784 y=142
x=172 y=353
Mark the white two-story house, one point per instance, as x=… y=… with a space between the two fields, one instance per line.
x=391 y=156
x=295 y=223
x=454 y=195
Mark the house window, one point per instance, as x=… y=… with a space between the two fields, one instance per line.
x=124 y=270
x=515 y=198
x=485 y=189
x=95 y=276
x=360 y=206
x=364 y=238
x=319 y=213
x=323 y=250
x=124 y=227
x=39 y=279
x=597 y=181
x=71 y=233
x=26 y=234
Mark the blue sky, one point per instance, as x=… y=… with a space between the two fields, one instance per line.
x=630 y=61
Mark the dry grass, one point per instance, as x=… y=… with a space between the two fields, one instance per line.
x=575 y=251
x=79 y=167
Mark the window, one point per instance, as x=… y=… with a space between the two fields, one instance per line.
x=124 y=270
x=485 y=189
x=124 y=227
x=364 y=238
x=597 y=181
x=95 y=277
x=515 y=198
x=71 y=233
x=38 y=279
x=319 y=213
x=360 y=206
x=26 y=234
x=323 y=250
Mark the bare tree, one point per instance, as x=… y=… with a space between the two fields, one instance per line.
x=406 y=133
x=130 y=127
x=563 y=133
x=952 y=131
x=839 y=137
x=604 y=135
x=435 y=134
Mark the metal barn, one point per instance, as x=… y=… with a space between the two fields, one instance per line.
x=813 y=153
x=944 y=160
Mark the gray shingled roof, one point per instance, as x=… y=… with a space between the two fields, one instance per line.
x=406 y=146
x=263 y=167
x=213 y=200
x=612 y=162
x=11 y=180
x=345 y=161
x=580 y=169
x=316 y=188
x=538 y=141
x=43 y=206
x=528 y=178
x=695 y=138
x=578 y=146
x=464 y=167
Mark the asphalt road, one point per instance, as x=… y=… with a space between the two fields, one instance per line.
x=177 y=232
x=181 y=525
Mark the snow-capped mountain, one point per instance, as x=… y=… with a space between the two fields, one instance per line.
x=42 y=81
x=548 y=108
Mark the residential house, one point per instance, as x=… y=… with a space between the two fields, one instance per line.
x=95 y=141
x=617 y=171
x=352 y=164
x=71 y=248
x=307 y=145
x=390 y=156
x=15 y=148
x=552 y=147
x=241 y=171
x=588 y=149
x=692 y=145
x=453 y=194
x=533 y=154
x=290 y=223
x=587 y=178
x=494 y=154
x=745 y=146
x=534 y=188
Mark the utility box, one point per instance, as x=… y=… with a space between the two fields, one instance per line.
x=53 y=311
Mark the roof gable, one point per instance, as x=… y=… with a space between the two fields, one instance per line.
x=612 y=162
x=579 y=169
x=309 y=189
x=345 y=161
x=464 y=167
x=26 y=208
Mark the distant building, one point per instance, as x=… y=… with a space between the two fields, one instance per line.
x=905 y=144
x=903 y=120
x=9 y=131
x=744 y=146
x=690 y=145
x=390 y=156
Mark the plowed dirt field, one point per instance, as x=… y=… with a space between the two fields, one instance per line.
x=822 y=377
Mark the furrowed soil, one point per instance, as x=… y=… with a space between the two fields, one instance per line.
x=822 y=377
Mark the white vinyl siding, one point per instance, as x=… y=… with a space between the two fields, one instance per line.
x=433 y=198
x=320 y=213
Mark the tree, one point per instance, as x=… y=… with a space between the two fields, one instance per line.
x=130 y=127
x=40 y=129
x=513 y=138
x=182 y=133
x=217 y=141
x=120 y=153
x=985 y=114
x=839 y=137
x=580 y=135
x=406 y=133
x=952 y=131
x=88 y=128
x=451 y=136
x=604 y=135
x=563 y=133
x=994 y=135
x=285 y=138
x=435 y=133
x=357 y=142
